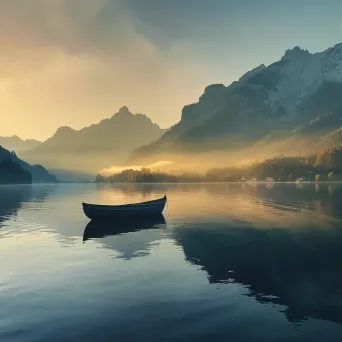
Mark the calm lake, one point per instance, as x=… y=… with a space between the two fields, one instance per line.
x=233 y=262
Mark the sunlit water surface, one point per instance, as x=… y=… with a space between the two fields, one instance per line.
x=233 y=262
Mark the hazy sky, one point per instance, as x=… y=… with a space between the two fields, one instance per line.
x=75 y=62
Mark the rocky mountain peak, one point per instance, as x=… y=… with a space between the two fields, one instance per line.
x=213 y=88
x=295 y=53
x=64 y=130
x=124 y=110
x=252 y=72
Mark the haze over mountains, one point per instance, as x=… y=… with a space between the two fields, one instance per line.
x=38 y=174
x=291 y=107
x=100 y=145
x=294 y=103
x=14 y=143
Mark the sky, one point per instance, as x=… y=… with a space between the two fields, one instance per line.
x=76 y=62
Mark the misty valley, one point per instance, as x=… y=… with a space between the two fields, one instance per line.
x=170 y=171
x=272 y=118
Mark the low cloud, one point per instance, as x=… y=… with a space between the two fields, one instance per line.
x=153 y=166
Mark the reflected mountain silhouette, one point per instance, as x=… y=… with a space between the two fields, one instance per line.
x=118 y=235
x=300 y=270
x=13 y=196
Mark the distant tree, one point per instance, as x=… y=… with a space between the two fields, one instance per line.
x=145 y=170
x=332 y=176
x=329 y=159
x=99 y=179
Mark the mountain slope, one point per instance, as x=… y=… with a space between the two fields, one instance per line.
x=286 y=95
x=97 y=146
x=16 y=144
x=13 y=173
x=38 y=172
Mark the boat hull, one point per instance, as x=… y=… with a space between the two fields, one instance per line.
x=144 y=209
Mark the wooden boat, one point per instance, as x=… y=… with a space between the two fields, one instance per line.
x=148 y=208
x=104 y=228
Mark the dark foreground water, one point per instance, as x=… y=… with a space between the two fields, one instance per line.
x=232 y=263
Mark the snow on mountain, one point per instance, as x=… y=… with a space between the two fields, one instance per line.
x=289 y=93
x=251 y=73
x=300 y=74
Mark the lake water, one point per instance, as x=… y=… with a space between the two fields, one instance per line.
x=233 y=262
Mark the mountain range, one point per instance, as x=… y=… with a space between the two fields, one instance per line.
x=14 y=143
x=109 y=142
x=291 y=107
x=296 y=101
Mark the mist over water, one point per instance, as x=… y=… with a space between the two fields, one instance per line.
x=242 y=262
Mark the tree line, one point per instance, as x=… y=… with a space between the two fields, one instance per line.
x=146 y=175
x=12 y=173
x=322 y=166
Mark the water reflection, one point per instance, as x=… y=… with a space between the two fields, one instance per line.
x=226 y=197
x=299 y=269
x=282 y=247
x=12 y=197
x=130 y=237
x=145 y=190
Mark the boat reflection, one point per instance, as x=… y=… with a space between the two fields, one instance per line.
x=101 y=229
x=129 y=238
